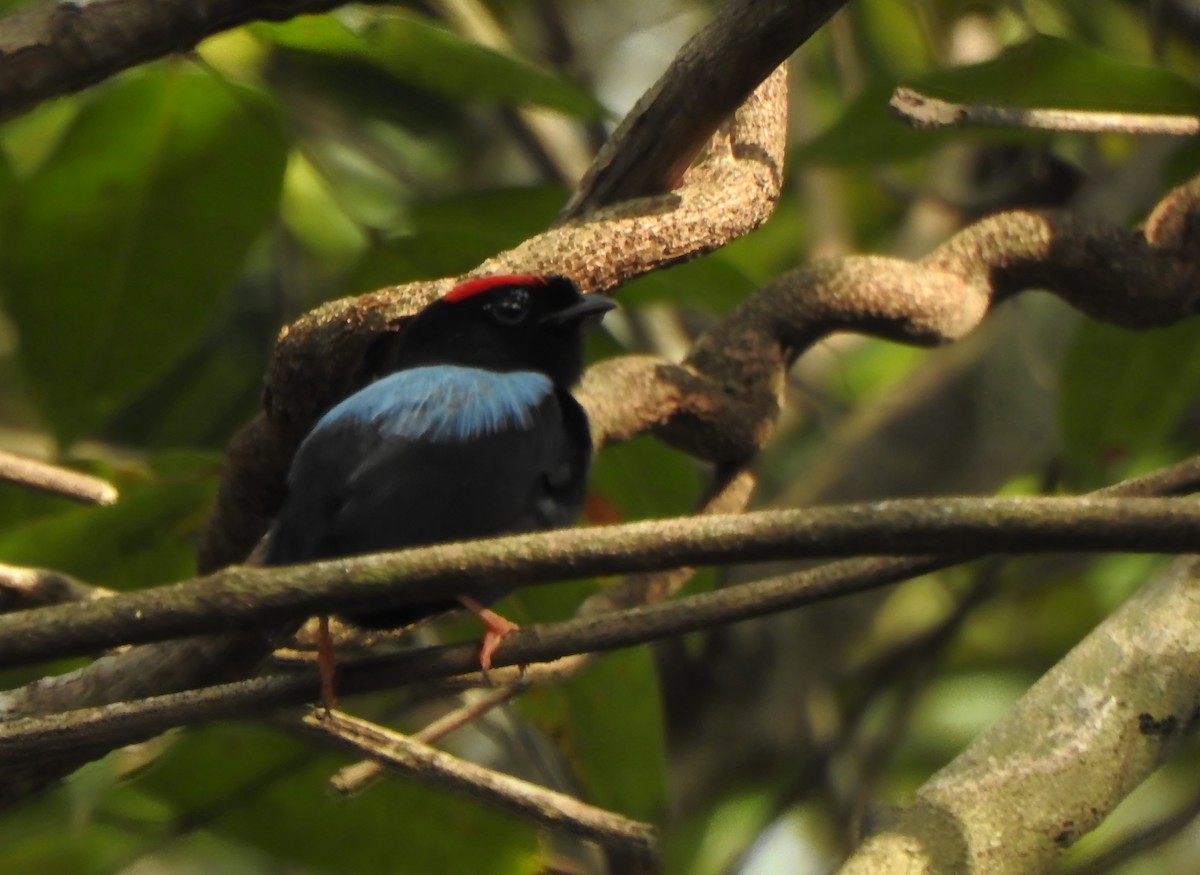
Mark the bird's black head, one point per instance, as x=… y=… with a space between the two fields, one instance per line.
x=504 y=323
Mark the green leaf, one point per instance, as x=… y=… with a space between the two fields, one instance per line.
x=416 y=51
x=895 y=36
x=8 y=182
x=644 y=478
x=608 y=723
x=714 y=283
x=866 y=133
x=204 y=400
x=123 y=245
x=608 y=720
x=1045 y=72
x=148 y=537
x=7 y=6
x=1123 y=393
x=265 y=789
x=453 y=234
x=47 y=835
x=29 y=139
x=616 y=737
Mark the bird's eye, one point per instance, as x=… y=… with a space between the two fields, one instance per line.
x=512 y=308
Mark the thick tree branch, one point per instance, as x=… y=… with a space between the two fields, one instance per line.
x=1071 y=749
x=722 y=402
x=242 y=598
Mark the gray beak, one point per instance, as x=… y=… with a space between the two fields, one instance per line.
x=587 y=306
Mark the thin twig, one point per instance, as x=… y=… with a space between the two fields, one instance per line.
x=23 y=588
x=544 y=807
x=354 y=777
x=923 y=111
x=55 y=480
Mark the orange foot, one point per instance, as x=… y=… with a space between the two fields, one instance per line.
x=497 y=627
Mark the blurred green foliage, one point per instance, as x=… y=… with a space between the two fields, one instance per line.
x=153 y=196
x=158 y=229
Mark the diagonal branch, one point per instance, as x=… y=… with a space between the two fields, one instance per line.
x=55 y=480
x=710 y=77
x=1066 y=754
x=412 y=758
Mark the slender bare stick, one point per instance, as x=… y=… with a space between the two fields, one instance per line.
x=544 y=807
x=22 y=588
x=55 y=480
x=923 y=111
x=354 y=777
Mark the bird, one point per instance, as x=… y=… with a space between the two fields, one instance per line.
x=471 y=432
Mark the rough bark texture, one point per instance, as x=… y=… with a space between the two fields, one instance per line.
x=1072 y=748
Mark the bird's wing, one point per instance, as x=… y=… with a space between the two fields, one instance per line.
x=421 y=457
x=529 y=475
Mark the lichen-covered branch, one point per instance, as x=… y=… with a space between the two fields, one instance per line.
x=1067 y=753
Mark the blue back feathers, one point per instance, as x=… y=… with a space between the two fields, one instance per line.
x=445 y=403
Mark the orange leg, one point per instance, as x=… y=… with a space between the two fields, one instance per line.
x=326 y=664
x=496 y=628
